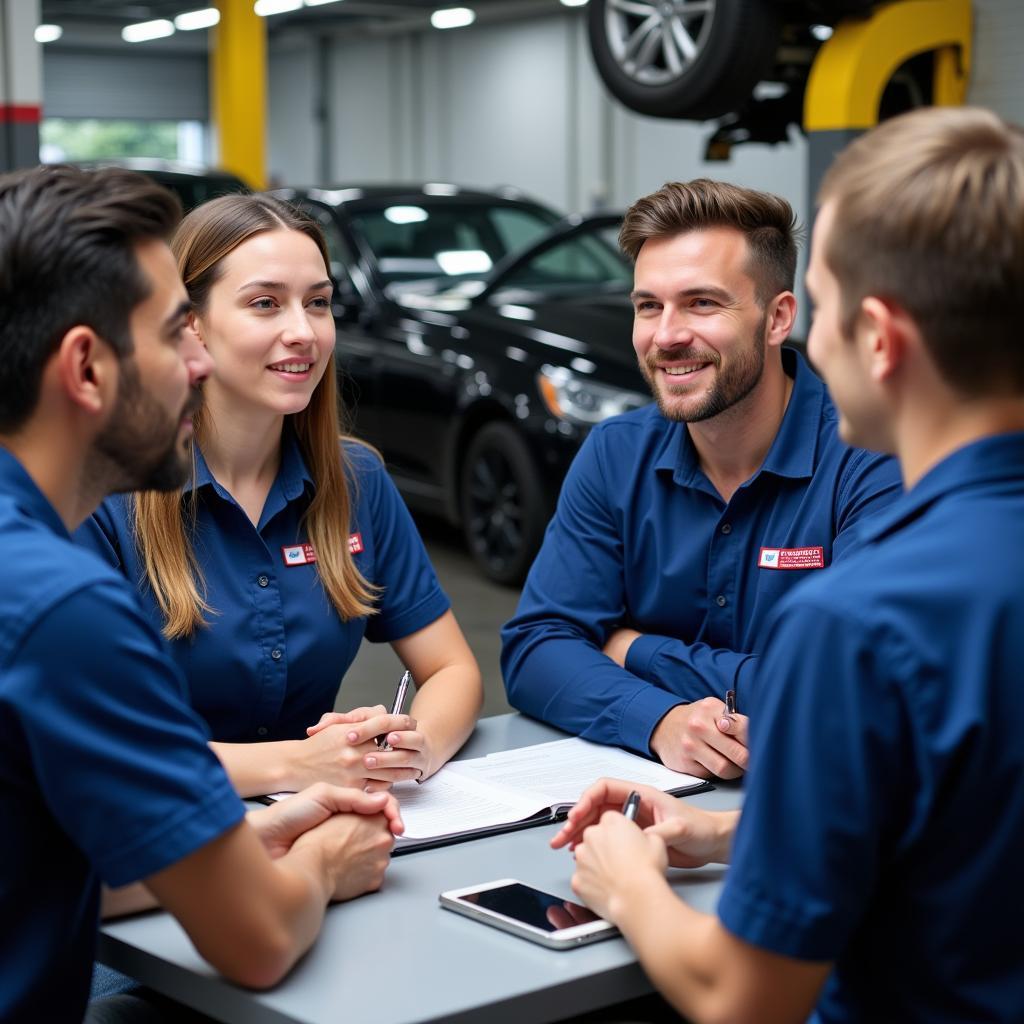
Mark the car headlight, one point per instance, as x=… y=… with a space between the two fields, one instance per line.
x=578 y=400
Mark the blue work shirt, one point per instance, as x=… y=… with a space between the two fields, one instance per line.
x=271 y=659
x=883 y=827
x=642 y=539
x=105 y=772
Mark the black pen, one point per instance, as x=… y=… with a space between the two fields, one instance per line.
x=730 y=702
x=396 y=706
x=631 y=806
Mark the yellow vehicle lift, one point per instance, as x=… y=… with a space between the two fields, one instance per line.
x=853 y=68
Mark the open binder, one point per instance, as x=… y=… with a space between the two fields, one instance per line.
x=514 y=789
x=519 y=788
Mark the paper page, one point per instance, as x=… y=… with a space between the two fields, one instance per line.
x=559 y=772
x=449 y=803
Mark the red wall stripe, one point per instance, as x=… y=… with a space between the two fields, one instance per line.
x=20 y=113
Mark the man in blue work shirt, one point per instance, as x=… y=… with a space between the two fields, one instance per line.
x=681 y=525
x=876 y=869
x=105 y=773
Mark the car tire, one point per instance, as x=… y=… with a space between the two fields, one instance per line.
x=635 y=45
x=503 y=504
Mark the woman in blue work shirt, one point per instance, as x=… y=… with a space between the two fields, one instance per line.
x=287 y=547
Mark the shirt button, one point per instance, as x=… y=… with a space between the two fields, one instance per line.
x=263 y=581
x=726 y=528
x=262 y=731
x=721 y=601
x=276 y=652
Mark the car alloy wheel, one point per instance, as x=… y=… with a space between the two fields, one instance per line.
x=683 y=58
x=503 y=504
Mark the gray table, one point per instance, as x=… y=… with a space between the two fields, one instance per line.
x=395 y=957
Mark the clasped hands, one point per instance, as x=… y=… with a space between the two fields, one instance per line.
x=354 y=830
x=342 y=749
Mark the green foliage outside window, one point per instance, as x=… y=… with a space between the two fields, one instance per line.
x=65 y=139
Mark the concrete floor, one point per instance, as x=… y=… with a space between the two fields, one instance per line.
x=480 y=606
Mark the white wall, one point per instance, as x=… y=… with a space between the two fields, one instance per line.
x=997 y=78
x=514 y=103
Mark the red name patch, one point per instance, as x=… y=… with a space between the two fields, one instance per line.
x=299 y=554
x=355 y=543
x=791 y=558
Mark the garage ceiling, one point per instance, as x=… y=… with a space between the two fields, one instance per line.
x=95 y=23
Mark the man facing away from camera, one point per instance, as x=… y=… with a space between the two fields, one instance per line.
x=105 y=772
x=875 y=871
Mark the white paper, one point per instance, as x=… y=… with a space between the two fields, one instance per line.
x=513 y=785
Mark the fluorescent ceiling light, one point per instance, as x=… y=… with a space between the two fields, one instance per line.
x=48 y=33
x=820 y=32
x=574 y=3
x=405 y=214
x=452 y=17
x=206 y=18
x=143 y=31
x=320 y=3
x=264 y=8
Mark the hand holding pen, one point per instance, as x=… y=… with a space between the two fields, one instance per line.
x=396 y=706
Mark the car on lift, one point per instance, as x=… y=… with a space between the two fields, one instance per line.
x=744 y=62
x=479 y=337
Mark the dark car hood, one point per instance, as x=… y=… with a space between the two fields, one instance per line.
x=596 y=327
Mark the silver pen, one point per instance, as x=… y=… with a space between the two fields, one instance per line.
x=396 y=706
x=631 y=806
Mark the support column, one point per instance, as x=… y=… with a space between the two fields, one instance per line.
x=21 y=84
x=238 y=88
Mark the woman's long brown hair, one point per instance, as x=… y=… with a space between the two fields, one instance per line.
x=165 y=523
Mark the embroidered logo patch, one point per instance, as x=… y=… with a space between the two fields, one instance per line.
x=355 y=543
x=299 y=554
x=791 y=558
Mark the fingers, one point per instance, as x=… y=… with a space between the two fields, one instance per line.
x=705 y=745
x=379 y=724
x=604 y=795
x=736 y=726
x=345 y=718
x=405 y=758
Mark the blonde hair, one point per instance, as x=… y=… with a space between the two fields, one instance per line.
x=929 y=214
x=165 y=523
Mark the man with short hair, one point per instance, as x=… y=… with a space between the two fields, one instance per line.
x=876 y=866
x=105 y=772
x=681 y=525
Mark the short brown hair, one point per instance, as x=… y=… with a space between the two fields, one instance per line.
x=766 y=220
x=929 y=214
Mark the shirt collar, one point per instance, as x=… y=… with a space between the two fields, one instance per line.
x=793 y=451
x=16 y=483
x=292 y=476
x=999 y=457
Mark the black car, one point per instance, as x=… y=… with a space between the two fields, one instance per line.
x=192 y=183
x=479 y=338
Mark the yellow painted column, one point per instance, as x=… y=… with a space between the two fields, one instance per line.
x=238 y=86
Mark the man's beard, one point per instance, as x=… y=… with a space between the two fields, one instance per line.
x=138 y=450
x=730 y=386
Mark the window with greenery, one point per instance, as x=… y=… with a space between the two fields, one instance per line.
x=96 y=139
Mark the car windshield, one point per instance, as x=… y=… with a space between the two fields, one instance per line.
x=442 y=244
x=588 y=260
